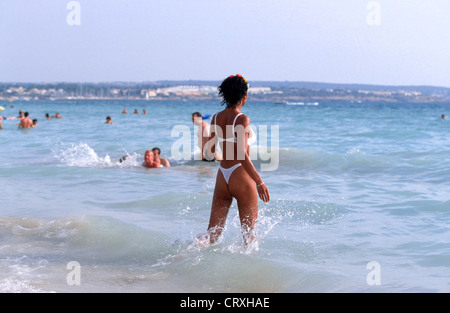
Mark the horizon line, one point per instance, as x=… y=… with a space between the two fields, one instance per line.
x=218 y=81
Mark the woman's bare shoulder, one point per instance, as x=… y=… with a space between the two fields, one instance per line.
x=243 y=120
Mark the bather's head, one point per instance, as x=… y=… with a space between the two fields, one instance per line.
x=234 y=91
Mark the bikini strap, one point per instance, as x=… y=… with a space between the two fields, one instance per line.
x=234 y=122
x=214 y=118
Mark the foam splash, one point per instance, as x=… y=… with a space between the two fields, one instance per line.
x=191 y=247
x=291 y=213
x=18 y=275
x=82 y=155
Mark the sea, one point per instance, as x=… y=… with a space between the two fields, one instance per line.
x=360 y=200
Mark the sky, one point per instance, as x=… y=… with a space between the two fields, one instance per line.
x=385 y=42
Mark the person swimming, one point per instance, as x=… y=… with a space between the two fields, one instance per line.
x=5 y=118
x=237 y=177
x=157 y=154
x=26 y=122
x=124 y=158
x=203 y=135
x=149 y=160
x=108 y=120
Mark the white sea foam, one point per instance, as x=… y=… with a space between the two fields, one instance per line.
x=82 y=155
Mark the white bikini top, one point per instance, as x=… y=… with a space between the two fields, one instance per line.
x=234 y=139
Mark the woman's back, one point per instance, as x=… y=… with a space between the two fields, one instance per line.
x=229 y=127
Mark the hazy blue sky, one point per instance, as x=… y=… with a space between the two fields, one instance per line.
x=295 y=40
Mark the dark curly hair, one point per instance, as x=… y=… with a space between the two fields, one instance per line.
x=232 y=90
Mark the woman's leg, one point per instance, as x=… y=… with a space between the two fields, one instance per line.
x=221 y=203
x=243 y=188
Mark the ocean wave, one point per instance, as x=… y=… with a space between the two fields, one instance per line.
x=35 y=252
x=103 y=238
x=116 y=256
x=82 y=155
x=307 y=160
x=357 y=162
x=302 y=103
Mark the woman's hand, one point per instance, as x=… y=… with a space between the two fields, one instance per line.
x=263 y=192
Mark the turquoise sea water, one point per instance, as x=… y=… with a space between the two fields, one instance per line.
x=355 y=183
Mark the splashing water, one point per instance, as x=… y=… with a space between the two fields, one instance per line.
x=82 y=155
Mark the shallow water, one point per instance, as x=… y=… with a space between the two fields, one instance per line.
x=355 y=183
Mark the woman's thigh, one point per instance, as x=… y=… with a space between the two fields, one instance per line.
x=243 y=189
x=221 y=203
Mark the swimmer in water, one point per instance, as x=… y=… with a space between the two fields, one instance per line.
x=157 y=153
x=26 y=122
x=202 y=133
x=108 y=120
x=124 y=158
x=149 y=160
x=237 y=177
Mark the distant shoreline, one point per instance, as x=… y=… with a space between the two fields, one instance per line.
x=207 y=90
x=284 y=101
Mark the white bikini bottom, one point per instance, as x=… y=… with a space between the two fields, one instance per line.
x=228 y=171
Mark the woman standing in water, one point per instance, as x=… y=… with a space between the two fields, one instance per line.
x=237 y=177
